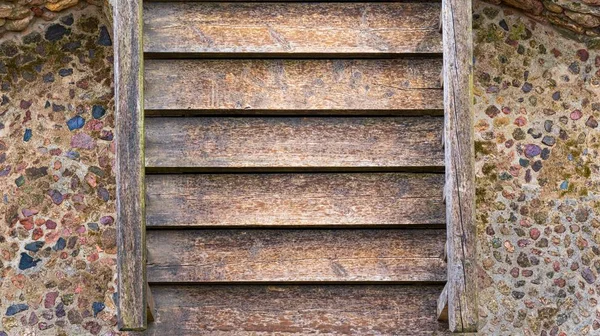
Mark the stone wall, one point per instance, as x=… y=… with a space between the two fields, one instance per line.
x=577 y=19
x=537 y=107
x=57 y=224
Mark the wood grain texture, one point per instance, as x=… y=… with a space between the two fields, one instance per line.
x=292 y=143
x=151 y=308
x=291 y=29
x=174 y=87
x=442 y=305
x=296 y=310
x=379 y=255
x=460 y=176
x=294 y=200
x=129 y=168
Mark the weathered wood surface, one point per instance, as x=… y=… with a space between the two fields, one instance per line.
x=129 y=169
x=296 y=310
x=287 y=143
x=151 y=307
x=460 y=178
x=291 y=29
x=411 y=86
x=373 y=255
x=295 y=200
x=442 y=305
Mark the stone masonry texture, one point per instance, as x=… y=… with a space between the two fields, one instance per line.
x=17 y=15
x=537 y=107
x=577 y=19
x=57 y=224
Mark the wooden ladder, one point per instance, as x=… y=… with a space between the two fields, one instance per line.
x=295 y=167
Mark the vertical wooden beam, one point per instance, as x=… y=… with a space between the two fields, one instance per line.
x=459 y=155
x=129 y=116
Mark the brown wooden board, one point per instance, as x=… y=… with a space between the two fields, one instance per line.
x=129 y=168
x=367 y=86
x=460 y=170
x=246 y=310
x=295 y=29
x=288 y=143
x=374 y=255
x=289 y=200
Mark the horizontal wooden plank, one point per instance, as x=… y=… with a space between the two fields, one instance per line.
x=294 y=200
x=379 y=255
x=173 y=87
x=296 y=310
x=287 y=143
x=294 y=28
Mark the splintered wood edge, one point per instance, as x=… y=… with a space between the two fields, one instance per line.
x=129 y=116
x=151 y=308
x=442 y=305
x=459 y=158
x=445 y=257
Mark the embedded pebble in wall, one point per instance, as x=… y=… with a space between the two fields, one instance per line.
x=57 y=6
x=98 y=111
x=576 y=115
x=104 y=38
x=56 y=32
x=27 y=261
x=65 y=72
x=83 y=141
x=583 y=54
x=75 y=123
x=27 y=135
x=16 y=308
x=34 y=247
x=548 y=140
x=532 y=150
